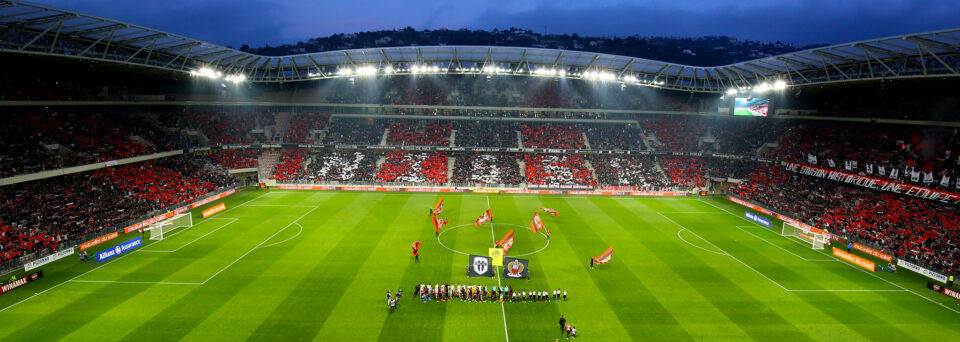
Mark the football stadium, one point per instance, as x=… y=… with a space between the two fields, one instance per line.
x=158 y=187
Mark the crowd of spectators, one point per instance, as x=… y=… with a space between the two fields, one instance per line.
x=745 y=135
x=341 y=166
x=614 y=137
x=552 y=136
x=290 y=165
x=722 y=168
x=676 y=135
x=235 y=159
x=485 y=134
x=921 y=156
x=413 y=167
x=554 y=169
x=301 y=125
x=638 y=171
x=37 y=216
x=31 y=142
x=222 y=127
x=421 y=133
x=354 y=131
x=904 y=226
x=684 y=172
x=487 y=169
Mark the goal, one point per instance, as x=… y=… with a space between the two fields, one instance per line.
x=816 y=239
x=157 y=230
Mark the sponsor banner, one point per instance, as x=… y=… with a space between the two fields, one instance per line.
x=756 y=218
x=98 y=240
x=928 y=273
x=751 y=206
x=496 y=256
x=48 y=259
x=876 y=183
x=514 y=268
x=486 y=191
x=304 y=187
x=169 y=214
x=213 y=198
x=433 y=190
x=119 y=249
x=20 y=282
x=213 y=210
x=480 y=266
x=783 y=218
x=872 y=252
x=944 y=290
x=867 y=264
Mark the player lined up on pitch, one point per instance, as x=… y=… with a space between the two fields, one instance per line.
x=480 y=293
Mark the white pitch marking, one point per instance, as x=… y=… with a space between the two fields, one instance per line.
x=502 y=310
x=689 y=243
x=288 y=239
x=188 y=243
x=856 y=268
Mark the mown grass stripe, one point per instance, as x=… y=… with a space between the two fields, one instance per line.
x=641 y=314
x=318 y=292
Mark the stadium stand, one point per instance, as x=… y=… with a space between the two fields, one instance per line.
x=684 y=172
x=552 y=136
x=354 y=131
x=419 y=133
x=403 y=167
x=341 y=166
x=676 y=135
x=487 y=169
x=638 y=171
x=302 y=124
x=904 y=226
x=553 y=170
x=235 y=159
x=485 y=134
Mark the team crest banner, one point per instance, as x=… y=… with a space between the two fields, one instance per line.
x=515 y=268
x=480 y=266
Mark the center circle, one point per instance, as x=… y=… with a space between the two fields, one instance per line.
x=478 y=240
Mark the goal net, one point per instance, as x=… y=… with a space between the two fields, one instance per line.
x=816 y=239
x=159 y=229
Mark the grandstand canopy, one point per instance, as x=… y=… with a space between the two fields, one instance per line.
x=37 y=29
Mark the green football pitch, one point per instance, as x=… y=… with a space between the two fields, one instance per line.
x=289 y=265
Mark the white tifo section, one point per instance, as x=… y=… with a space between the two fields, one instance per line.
x=816 y=240
x=157 y=230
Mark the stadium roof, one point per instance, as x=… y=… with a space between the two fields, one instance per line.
x=38 y=29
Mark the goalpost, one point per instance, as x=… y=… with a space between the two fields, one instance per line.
x=157 y=230
x=816 y=239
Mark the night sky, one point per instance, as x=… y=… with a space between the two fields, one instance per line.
x=275 y=22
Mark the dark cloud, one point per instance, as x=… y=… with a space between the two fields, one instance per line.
x=225 y=22
x=274 y=22
x=803 y=22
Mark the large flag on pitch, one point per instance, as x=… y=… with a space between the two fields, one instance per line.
x=438 y=222
x=515 y=268
x=605 y=257
x=438 y=208
x=480 y=266
x=536 y=224
x=506 y=242
x=416 y=248
x=486 y=216
x=551 y=211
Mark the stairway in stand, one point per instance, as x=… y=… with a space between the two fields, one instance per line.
x=268 y=160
